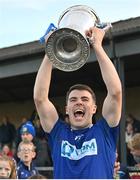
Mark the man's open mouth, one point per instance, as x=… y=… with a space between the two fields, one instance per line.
x=79 y=112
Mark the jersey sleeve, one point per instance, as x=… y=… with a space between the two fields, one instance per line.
x=110 y=133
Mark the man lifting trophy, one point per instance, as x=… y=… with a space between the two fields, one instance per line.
x=80 y=149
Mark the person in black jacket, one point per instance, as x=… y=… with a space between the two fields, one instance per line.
x=7 y=132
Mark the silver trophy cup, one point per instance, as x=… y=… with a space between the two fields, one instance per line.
x=68 y=47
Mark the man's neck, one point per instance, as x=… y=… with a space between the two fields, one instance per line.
x=75 y=128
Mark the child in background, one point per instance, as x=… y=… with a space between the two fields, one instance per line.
x=6 y=150
x=7 y=168
x=26 y=154
x=26 y=133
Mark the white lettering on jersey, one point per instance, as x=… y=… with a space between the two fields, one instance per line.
x=71 y=152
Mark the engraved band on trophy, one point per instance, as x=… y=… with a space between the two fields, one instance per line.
x=68 y=47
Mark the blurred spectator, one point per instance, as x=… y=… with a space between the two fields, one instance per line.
x=6 y=150
x=7 y=132
x=26 y=154
x=132 y=127
x=135 y=122
x=27 y=133
x=34 y=133
x=18 y=136
x=129 y=132
x=24 y=120
x=134 y=145
x=7 y=168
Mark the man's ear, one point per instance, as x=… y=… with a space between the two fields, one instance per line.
x=94 y=108
x=66 y=110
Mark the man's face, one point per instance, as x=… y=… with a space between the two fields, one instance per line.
x=5 y=170
x=26 y=136
x=80 y=108
x=26 y=153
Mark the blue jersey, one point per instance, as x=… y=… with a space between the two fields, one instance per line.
x=89 y=153
x=24 y=172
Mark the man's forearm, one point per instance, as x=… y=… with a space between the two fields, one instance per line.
x=43 y=79
x=109 y=73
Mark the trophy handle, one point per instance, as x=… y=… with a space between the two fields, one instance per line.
x=51 y=27
x=104 y=25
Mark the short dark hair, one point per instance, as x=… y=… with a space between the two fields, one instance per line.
x=81 y=87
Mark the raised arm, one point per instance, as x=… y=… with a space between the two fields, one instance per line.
x=46 y=110
x=113 y=102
